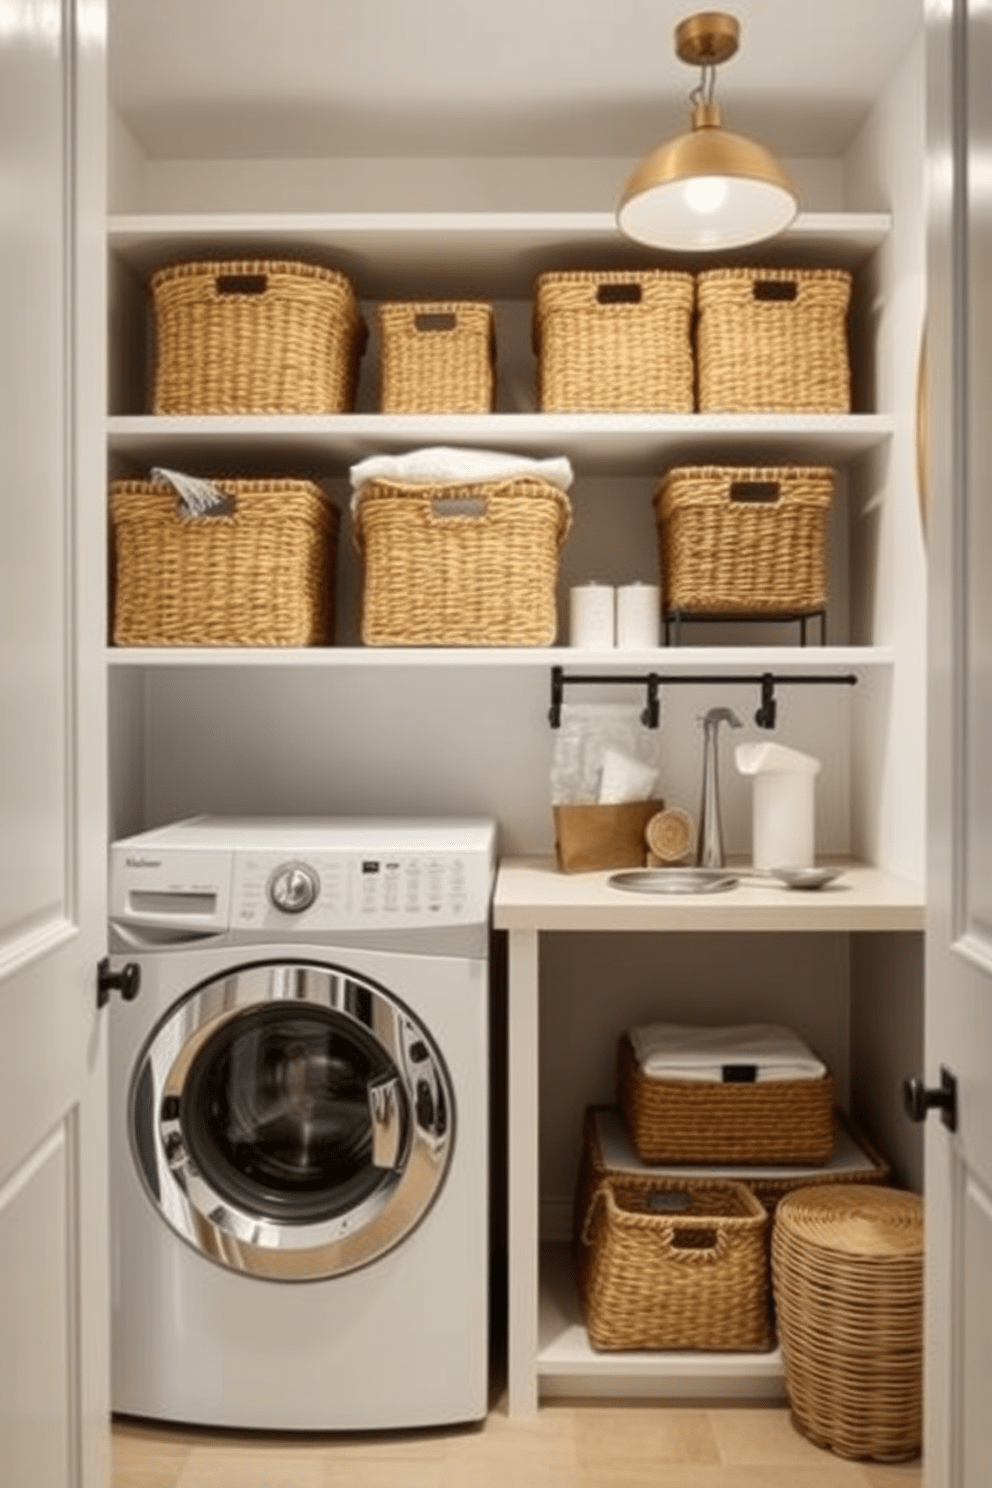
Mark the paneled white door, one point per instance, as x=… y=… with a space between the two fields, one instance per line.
x=54 y=1414
x=959 y=933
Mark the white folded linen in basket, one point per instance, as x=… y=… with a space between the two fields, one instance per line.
x=441 y=466
x=678 y=1051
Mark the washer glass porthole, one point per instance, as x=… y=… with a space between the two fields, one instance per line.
x=292 y=1121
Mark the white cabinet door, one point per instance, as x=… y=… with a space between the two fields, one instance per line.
x=959 y=940
x=53 y=1193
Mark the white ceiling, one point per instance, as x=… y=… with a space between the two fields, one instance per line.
x=279 y=78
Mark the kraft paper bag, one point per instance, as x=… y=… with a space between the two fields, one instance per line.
x=590 y=838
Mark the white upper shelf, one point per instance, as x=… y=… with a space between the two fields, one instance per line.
x=488 y=254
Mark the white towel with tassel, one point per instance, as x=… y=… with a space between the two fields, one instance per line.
x=678 y=1051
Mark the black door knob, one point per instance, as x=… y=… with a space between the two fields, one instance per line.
x=919 y=1100
x=127 y=981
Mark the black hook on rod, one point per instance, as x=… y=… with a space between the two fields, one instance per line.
x=765 y=717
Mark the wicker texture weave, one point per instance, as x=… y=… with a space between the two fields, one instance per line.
x=461 y=566
x=614 y=341
x=847 y=1268
x=255 y=336
x=694 y=1121
x=696 y=1278
x=773 y=340
x=262 y=576
x=437 y=358
x=744 y=540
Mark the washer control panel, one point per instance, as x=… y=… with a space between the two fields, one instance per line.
x=334 y=891
x=207 y=876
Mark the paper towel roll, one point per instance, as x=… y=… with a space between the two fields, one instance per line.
x=591 y=616
x=638 y=616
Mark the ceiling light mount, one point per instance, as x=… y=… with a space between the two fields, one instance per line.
x=708 y=189
x=707 y=39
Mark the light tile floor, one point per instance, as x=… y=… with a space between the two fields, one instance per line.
x=567 y=1445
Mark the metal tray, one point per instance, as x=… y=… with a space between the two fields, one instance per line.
x=673 y=880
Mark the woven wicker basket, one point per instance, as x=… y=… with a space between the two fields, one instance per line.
x=674 y=1264
x=437 y=358
x=738 y=540
x=256 y=336
x=262 y=576
x=608 y=1152
x=773 y=340
x=847 y=1268
x=694 y=1121
x=475 y=565
x=614 y=341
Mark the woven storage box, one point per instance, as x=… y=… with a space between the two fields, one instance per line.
x=608 y=1151
x=614 y=341
x=773 y=340
x=847 y=1268
x=262 y=576
x=695 y=1121
x=737 y=540
x=437 y=358
x=256 y=336
x=473 y=565
x=674 y=1264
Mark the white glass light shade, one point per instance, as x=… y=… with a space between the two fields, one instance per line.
x=706 y=190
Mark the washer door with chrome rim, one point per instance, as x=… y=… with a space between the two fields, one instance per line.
x=292 y=1121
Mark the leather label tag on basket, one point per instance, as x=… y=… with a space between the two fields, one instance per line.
x=739 y=1074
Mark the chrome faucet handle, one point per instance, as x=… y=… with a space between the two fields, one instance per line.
x=720 y=715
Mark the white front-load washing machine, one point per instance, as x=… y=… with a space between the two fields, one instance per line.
x=299 y=1122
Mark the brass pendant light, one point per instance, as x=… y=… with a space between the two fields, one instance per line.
x=708 y=189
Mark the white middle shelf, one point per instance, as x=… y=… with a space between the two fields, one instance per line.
x=605 y=443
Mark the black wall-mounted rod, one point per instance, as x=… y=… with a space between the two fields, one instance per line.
x=651 y=681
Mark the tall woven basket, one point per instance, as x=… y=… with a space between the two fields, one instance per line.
x=263 y=575
x=255 y=336
x=847 y=1269
x=614 y=341
x=773 y=340
x=673 y=1264
x=473 y=565
x=437 y=357
x=744 y=540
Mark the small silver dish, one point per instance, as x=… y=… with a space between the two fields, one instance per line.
x=673 y=880
x=806 y=878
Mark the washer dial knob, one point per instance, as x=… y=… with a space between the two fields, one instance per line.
x=293 y=887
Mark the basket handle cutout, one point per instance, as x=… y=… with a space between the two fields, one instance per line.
x=459 y=506
x=619 y=294
x=775 y=289
x=695 y=1239
x=241 y=284
x=435 y=320
x=755 y=491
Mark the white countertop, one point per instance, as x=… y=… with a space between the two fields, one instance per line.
x=531 y=894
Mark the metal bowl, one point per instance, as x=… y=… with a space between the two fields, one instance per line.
x=806 y=878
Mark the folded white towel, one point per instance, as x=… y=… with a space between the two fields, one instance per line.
x=682 y=1052
x=441 y=466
